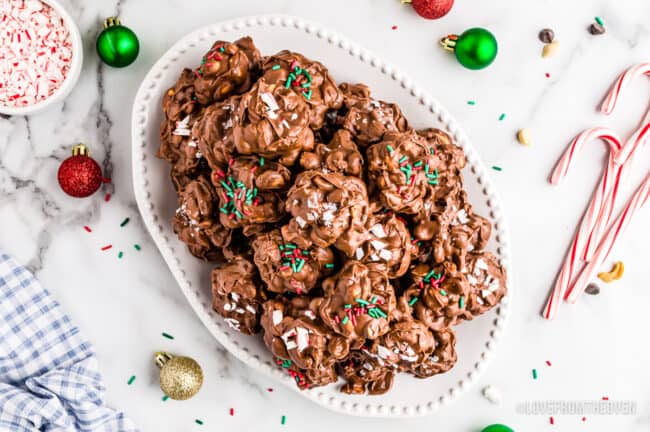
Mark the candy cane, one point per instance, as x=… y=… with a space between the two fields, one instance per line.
x=589 y=220
x=609 y=104
x=635 y=141
x=623 y=81
x=637 y=201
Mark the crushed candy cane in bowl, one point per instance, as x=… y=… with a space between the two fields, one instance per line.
x=41 y=54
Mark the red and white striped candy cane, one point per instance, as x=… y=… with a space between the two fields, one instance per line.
x=589 y=220
x=638 y=200
x=623 y=81
x=635 y=141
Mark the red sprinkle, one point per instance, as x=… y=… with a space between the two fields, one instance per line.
x=232 y=411
x=584 y=419
x=551 y=420
x=87 y=228
x=605 y=398
x=270 y=390
x=107 y=198
x=548 y=75
x=394 y=27
x=107 y=247
x=548 y=363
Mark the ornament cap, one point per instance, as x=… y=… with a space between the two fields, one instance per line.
x=111 y=22
x=449 y=42
x=161 y=358
x=80 y=150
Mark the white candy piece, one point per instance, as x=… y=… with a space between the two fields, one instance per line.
x=492 y=394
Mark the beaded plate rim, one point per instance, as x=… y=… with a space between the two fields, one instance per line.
x=373 y=407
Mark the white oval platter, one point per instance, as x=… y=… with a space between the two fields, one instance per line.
x=349 y=62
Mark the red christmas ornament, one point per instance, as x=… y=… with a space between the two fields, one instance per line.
x=432 y=9
x=79 y=175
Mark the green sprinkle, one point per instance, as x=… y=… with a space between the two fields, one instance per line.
x=307 y=94
x=390 y=149
x=288 y=83
x=361 y=301
x=300 y=265
x=136 y=247
x=599 y=21
x=283 y=420
x=443 y=293
x=307 y=74
x=120 y=255
x=502 y=116
x=225 y=186
x=347 y=306
x=344 y=321
x=167 y=335
x=306 y=85
x=292 y=76
x=199 y=422
x=471 y=102
x=433 y=182
x=262 y=161
x=130 y=381
x=124 y=222
x=461 y=302
x=403 y=158
x=329 y=265
x=417 y=164
x=374 y=299
x=413 y=301
x=164 y=398
x=497 y=168
x=428 y=275
x=534 y=373
x=290 y=246
x=275 y=67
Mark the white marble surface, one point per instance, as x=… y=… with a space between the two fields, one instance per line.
x=598 y=347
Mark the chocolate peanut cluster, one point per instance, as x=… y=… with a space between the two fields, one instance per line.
x=340 y=233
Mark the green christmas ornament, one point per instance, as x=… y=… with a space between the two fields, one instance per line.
x=497 y=428
x=117 y=45
x=475 y=49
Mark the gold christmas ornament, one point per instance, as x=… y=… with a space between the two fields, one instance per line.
x=180 y=377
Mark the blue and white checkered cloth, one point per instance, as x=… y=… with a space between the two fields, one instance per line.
x=49 y=379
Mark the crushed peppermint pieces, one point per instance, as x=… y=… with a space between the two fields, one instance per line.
x=36 y=52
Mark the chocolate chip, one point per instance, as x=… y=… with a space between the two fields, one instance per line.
x=546 y=35
x=596 y=29
x=592 y=289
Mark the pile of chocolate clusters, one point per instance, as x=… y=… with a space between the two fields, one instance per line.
x=341 y=234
